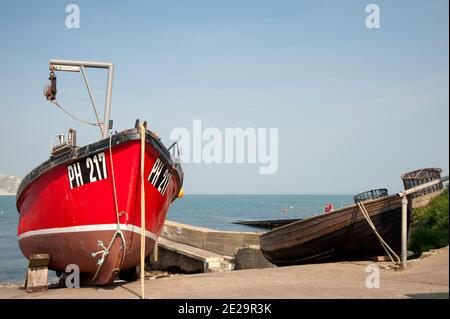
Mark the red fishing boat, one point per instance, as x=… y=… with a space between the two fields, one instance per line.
x=83 y=205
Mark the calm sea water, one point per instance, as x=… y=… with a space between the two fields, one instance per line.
x=12 y=263
x=211 y=211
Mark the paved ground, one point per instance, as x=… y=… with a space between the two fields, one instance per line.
x=427 y=277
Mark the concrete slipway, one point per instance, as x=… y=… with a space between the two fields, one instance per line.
x=426 y=277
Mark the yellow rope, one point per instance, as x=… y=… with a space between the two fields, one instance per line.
x=390 y=252
x=142 y=132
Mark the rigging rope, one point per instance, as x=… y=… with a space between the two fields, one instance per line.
x=118 y=231
x=73 y=116
x=390 y=252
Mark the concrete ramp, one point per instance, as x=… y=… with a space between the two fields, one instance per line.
x=184 y=258
x=191 y=249
x=220 y=242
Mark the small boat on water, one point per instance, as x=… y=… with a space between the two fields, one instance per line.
x=342 y=234
x=83 y=205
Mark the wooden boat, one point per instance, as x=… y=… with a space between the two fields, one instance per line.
x=83 y=205
x=343 y=234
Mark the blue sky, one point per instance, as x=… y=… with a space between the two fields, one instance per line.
x=355 y=108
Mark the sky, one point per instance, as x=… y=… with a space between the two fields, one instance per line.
x=355 y=107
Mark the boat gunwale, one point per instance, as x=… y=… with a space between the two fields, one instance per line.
x=286 y=230
x=359 y=231
x=82 y=152
x=276 y=248
x=324 y=231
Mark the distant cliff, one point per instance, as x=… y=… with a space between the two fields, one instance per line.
x=9 y=184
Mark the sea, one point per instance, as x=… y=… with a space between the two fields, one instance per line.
x=210 y=211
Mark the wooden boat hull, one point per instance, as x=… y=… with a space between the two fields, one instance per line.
x=67 y=205
x=341 y=235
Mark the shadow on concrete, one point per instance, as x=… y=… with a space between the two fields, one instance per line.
x=114 y=285
x=432 y=295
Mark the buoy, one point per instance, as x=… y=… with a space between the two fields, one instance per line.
x=181 y=193
x=328 y=208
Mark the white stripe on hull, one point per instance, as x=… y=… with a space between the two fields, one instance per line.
x=85 y=228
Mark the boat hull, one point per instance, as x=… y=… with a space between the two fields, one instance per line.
x=341 y=235
x=68 y=206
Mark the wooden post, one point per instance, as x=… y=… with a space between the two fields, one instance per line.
x=155 y=252
x=37 y=273
x=142 y=131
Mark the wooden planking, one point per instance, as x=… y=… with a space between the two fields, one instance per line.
x=37 y=273
x=318 y=226
x=360 y=241
x=340 y=230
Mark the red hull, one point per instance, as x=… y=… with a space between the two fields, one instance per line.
x=72 y=216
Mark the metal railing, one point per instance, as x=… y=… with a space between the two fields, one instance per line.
x=404 y=196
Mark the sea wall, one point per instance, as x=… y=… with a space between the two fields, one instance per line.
x=220 y=242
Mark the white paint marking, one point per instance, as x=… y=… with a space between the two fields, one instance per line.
x=85 y=228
